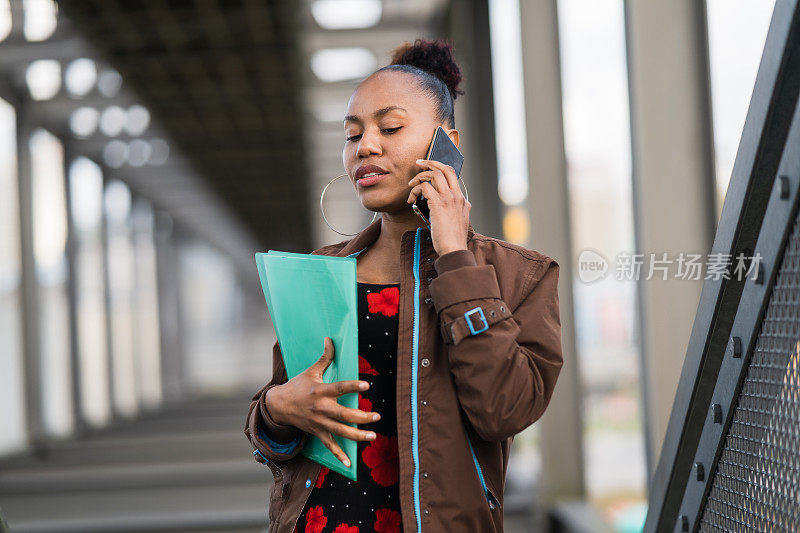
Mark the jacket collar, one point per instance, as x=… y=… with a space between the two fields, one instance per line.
x=370 y=234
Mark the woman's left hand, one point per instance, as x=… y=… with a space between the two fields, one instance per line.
x=449 y=210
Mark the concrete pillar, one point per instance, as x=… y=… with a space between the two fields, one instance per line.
x=673 y=186
x=30 y=290
x=169 y=280
x=561 y=427
x=115 y=414
x=78 y=410
x=468 y=28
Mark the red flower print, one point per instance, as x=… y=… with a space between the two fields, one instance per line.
x=382 y=459
x=386 y=302
x=387 y=521
x=321 y=477
x=364 y=404
x=315 y=520
x=365 y=368
x=344 y=528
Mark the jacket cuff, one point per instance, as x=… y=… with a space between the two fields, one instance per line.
x=454 y=260
x=461 y=280
x=282 y=434
x=278 y=447
x=266 y=448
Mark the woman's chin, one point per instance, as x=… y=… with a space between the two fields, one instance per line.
x=380 y=202
x=401 y=209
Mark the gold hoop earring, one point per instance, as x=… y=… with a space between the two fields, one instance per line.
x=323 y=210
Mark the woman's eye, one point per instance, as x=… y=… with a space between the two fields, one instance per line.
x=388 y=131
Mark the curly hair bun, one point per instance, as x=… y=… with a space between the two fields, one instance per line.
x=436 y=57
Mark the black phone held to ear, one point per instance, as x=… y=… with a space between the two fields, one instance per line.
x=443 y=150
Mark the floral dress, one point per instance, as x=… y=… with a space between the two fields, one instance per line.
x=338 y=504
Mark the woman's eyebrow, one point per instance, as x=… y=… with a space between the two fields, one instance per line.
x=380 y=112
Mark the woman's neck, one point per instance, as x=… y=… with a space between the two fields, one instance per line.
x=393 y=226
x=379 y=262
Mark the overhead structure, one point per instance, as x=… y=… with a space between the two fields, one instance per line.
x=223 y=79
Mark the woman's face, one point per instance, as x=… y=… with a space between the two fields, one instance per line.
x=389 y=124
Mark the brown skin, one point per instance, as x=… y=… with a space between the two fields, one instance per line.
x=396 y=140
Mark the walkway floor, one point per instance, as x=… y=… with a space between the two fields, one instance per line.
x=184 y=469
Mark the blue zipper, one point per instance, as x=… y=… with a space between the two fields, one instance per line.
x=489 y=497
x=414 y=356
x=414 y=424
x=355 y=254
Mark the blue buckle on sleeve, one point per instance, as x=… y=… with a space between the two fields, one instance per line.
x=471 y=312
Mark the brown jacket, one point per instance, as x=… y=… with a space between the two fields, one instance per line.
x=461 y=396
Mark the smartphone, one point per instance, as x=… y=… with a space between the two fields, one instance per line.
x=443 y=150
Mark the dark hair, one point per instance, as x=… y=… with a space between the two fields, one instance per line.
x=434 y=66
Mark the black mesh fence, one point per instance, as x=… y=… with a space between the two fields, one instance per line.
x=756 y=486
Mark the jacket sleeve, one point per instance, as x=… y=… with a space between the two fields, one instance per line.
x=270 y=440
x=504 y=363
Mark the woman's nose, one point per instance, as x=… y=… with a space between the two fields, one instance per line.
x=368 y=145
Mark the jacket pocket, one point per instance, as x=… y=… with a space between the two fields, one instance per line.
x=277 y=471
x=278 y=493
x=491 y=500
x=275 y=503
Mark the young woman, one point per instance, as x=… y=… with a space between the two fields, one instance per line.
x=459 y=337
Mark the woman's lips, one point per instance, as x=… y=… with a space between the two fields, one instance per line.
x=366 y=181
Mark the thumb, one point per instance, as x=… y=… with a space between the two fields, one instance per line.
x=327 y=355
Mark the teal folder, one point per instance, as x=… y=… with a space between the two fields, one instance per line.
x=311 y=297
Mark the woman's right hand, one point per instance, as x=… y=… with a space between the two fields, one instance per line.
x=309 y=404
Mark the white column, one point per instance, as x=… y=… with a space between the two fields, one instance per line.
x=673 y=181
x=548 y=203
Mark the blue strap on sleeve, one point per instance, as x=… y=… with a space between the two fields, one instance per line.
x=287 y=447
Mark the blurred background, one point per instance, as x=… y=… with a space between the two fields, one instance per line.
x=149 y=148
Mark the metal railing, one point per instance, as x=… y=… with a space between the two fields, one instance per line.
x=729 y=459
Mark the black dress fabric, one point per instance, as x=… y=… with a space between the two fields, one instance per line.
x=338 y=504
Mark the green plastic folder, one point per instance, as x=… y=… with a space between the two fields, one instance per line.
x=311 y=297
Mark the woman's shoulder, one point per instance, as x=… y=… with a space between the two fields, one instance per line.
x=518 y=269
x=487 y=250
x=491 y=250
x=330 y=249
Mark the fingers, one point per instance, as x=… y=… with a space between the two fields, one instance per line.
x=426 y=189
x=327 y=356
x=441 y=177
x=348 y=432
x=434 y=176
x=448 y=172
x=328 y=440
x=348 y=414
x=337 y=388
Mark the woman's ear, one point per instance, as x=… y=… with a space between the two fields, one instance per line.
x=453 y=134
